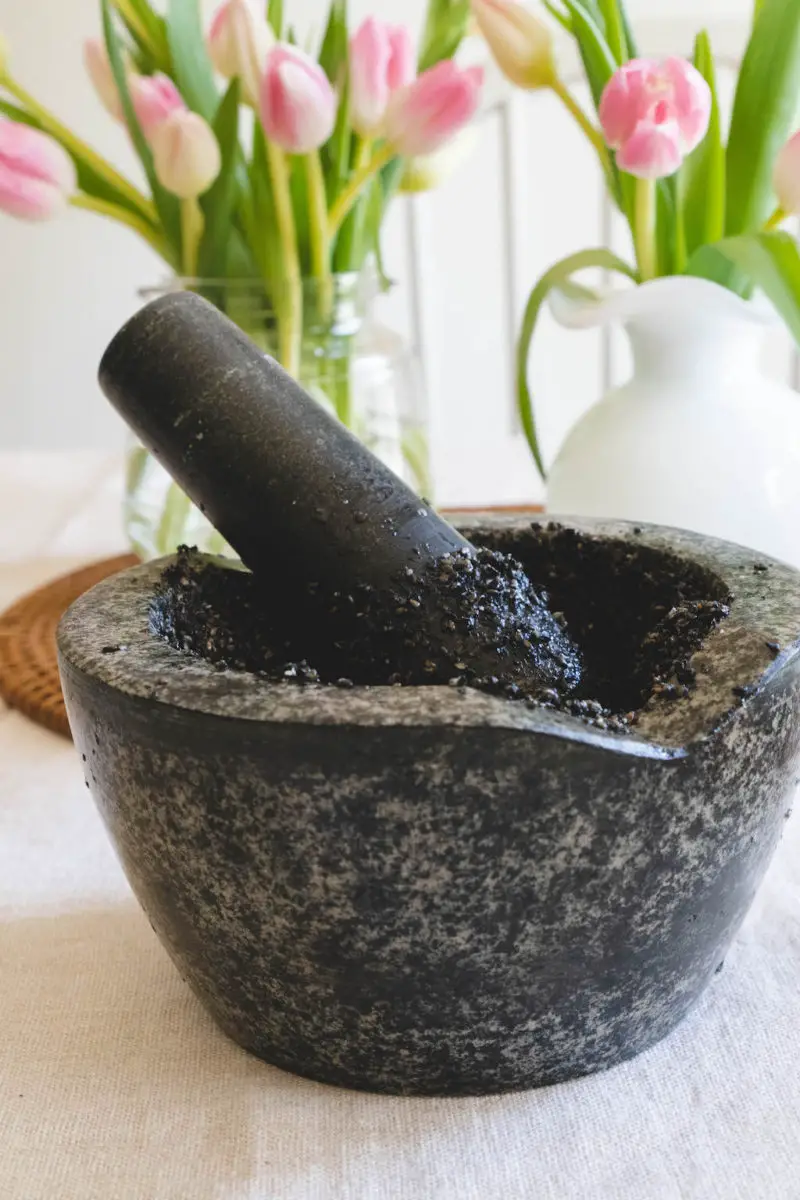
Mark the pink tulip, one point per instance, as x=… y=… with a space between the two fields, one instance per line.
x=99 y=71
x=787 y=176
x=381 y=61
x=298 y=104
x=654 y=114
x=37 y=176
x=154 y=98
x=239 y=41
x=402 y=64
x=186 y=154
x=425 y=114
x=370 y=54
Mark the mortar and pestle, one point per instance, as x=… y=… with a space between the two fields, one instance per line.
x=498 y=822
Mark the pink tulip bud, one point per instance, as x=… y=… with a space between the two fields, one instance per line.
x=99 y=71
x=186 y=154
x=381 y=60
x=521 y=44
x=239 y=41
x=370 y=54
x=654 y=114
x=787 y=176
x=37 y=176
x=402 y=63
x=154 y=98
x=298 y=104
x=425 y=114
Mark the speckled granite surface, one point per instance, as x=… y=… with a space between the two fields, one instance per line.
x=430 y=891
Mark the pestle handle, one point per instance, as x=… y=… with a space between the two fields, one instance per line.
x=280 y=478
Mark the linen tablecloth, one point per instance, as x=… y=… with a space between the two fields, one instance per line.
x=115 y=1085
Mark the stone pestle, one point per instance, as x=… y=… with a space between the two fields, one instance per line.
x=362 y=562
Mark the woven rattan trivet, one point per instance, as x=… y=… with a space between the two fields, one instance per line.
x=28 y=667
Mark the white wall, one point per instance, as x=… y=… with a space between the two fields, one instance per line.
x=66 y=287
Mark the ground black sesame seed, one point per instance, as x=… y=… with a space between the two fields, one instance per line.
x=637 y=614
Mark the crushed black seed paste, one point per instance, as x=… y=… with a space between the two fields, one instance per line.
x=637 y=616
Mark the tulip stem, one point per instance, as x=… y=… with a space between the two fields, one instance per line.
x=645 y=228
x=124 y=216
x=777 y=219
x=192 y=226
x=348 y=196
x=592 y=132
x=318 y=232
x=79 y=149
x=289 y=303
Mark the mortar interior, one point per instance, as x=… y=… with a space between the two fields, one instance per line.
x=638 y=614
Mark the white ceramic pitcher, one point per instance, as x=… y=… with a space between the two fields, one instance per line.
x=698 y=438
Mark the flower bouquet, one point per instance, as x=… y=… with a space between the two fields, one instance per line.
x=268 y=169
x=701 y=201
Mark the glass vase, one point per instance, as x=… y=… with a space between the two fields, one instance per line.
x=360 y=370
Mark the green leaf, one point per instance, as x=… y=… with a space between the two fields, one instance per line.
x=764 y=112
x=219 y=202
x=556 y=277
x=666 y=211
x=194 y=74
x=19 y=114
x=167 y=205
x=770 y=261
x=615 y=29
x=564 y=20
x=336 y=153
x=259 y=213
x=275 y=17
x=333 y=55
x=592 y=9
x=300 y=208
x=435 y=11
x=599 y=65
x=148 y=29
x=630 y=38
x=373 y=222
x=598 y=60
x=702 y=178
x=444 y=32
x=350 y=236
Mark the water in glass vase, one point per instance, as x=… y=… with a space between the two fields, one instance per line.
x=362 y=371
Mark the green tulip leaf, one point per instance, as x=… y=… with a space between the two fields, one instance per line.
x=596 y=54
x=336 y=153
x=194 y=74
x=764 y=113
x=167 y=205
x=275 y=17
x=219 y=202
x=333 y=55
x=702 y=180
x=769 y=261
x=564 y=19
x=630 y=37
x=616 y=36
x=258 y=213
x=148 y=29
x=558 y=276
x=445 y=28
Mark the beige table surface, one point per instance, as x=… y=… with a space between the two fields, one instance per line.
x=114 y=1085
